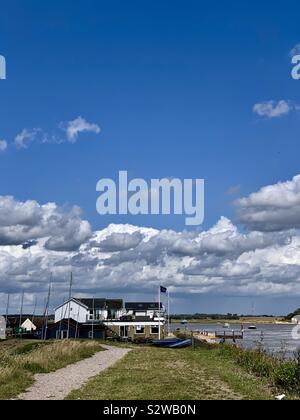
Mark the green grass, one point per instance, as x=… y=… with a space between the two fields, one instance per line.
x=19 y=361
x=149 y=373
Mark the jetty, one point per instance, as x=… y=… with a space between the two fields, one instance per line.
x=213 y=337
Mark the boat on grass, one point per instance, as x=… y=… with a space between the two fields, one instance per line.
x=172 y=343
x=166 y=342
x=181 y=344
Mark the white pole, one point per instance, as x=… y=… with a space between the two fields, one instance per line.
x=70 y=296
x=93 y=317
x=21 y=314
x=159 y=329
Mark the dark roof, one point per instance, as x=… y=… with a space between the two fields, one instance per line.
x=73 y=324
x=141 y=306
x=38 y=321
x=101 y=303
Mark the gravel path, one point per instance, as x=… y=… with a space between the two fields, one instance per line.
x=57 y=385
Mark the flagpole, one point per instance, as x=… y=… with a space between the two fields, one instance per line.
x=159 y=329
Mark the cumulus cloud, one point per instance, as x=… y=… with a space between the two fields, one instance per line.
x=273 y=109
x=272 y=208
x=124 y=259
x=63 y=229
x=79 y=125
x=3 y=145
x=120 y=260
x=119 y=242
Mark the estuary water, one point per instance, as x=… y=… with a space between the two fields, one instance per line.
x=275 y=338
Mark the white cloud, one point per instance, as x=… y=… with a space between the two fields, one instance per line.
x=25 y=137
x=272 y=208
x=77 y=126
x=71 y=130
x=273 y=109
x=63 y=229
x=3 y=145
x=121 y=260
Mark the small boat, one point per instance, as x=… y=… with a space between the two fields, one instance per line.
x=226 y=325
x=181 y=344
x=184 y=322
x=172 y=343
x=166 y=342
x=252 y=327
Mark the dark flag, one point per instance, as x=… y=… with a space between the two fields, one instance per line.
x=163 y=289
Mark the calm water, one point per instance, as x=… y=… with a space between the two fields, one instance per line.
x=275 y=338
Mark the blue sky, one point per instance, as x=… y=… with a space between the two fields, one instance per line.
x=172 y=86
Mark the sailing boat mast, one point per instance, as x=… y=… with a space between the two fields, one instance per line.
x=70 y=296
x=47 y=309
x=21 y=313
x=7 y=306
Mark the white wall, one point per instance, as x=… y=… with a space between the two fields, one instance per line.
x=2 y=328
x=81 y=314
x=77 y=312
x=28 y=325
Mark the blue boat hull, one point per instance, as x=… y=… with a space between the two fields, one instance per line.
x=181 y=344
x=175 y=343
x=166 y=343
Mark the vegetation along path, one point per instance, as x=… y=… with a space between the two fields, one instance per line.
x=57 y=385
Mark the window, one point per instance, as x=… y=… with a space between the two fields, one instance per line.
x=140 y=329
x=154 y=330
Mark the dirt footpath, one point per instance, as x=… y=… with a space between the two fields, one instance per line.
x=57 y=385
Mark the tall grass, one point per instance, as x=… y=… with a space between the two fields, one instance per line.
x=17 y=368
x=284 y=374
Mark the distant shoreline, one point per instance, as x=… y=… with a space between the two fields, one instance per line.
x=244 y=320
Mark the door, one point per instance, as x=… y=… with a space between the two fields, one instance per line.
x=124 y=331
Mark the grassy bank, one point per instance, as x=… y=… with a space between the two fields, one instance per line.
x=154 y=373
x=20 y=360
x=279 y=372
